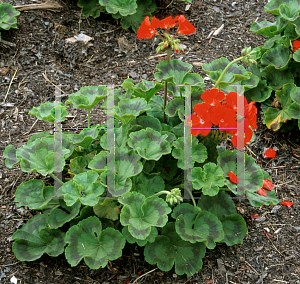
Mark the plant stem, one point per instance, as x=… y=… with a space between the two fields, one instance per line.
x=225 y=70
x=166 y=85
x=161 y=192
x=89 y=117
x=194 y=202
x=56 y=178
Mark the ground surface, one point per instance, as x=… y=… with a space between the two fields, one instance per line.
x=42 y=58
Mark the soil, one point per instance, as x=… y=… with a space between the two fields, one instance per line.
x=42 y=58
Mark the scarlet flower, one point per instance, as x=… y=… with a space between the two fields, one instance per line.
x=224 y=117
x=148 y=30
x=200 y=122
x=287 y=203
x=247 y=137
x=233 y=178
x=185 y=27
x=250 y=114
x=270 y=153
x=261 y=191
x=169 y=22
x=213 y=97
x=268 y=185
x=231 y=100
x=296 y=45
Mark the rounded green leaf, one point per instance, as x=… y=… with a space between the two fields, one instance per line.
x=260 y=93
x=78 y=164
x=199 y=152
x=148 y=185
x=278 y=57
x=46 y=111
x=295 y=95
x=235 y=229
x=296 y=55
x=87 y=97
x=85 y=137
x=87 y=240
x=83 y=187
x=39 y=156
x=59 y=216
x=107 y=208
x=8 y=17
x=145 y=8
x=91 y=8
x=33 y=194
x=172 y=71
x=289 y=10
x=10 y=155
x=166 y=162
x=294 y=110
x=274 y=118
x=149 y=144
x=176 y=107
x=125 y=8
x=128 y=109
x=140 y=213
x=277 y=78
x=256 y=200
x=220 y=205
x=210 y=179
x=250 y=173
x=194 y=226
x=148 y=121
x=169 y=248
x=120 y=138
x=98 y=163
x=141 y=243
x=34 y=239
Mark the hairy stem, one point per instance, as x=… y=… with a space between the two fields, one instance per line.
x=56 y=178
x=166 y=86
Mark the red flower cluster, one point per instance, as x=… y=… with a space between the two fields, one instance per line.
x=148 y=29
x=268 y=185
x=296 y=45
x=224 y=115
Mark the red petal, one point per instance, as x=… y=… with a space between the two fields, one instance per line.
x=270 y=153
x=268 y=234
x=233 y=178
x=261 y=192
x=185 y=27
x=287 y=203
x=146 y=30
x=168 y=23
x=268 y=185
x=213 y=97
x=254 y=216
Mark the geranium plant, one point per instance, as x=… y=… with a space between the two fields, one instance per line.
x=276 y=75
x=130 y=179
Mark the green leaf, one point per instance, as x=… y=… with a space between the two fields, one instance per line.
x=141 y=243
x=274 y=118
x=85 y=137
x=59 y=216
x=148 y=185
x=256 y=200
x=199 y=152
x=277 y=78
x=269 y=29
x=235 y=73
x=39 y=156
x=128 y=109
x=145 y=8
x=223 y=207
x=83 y=187
x=277 y=57
x=98 y=163
x=8 y=17
x=194 y=226
x=210 y=179
x=288 y=10
x=148 y=121
x=46 y=111
x=260 y=93
x=149 y=144
x=91 y=8
x=176 y=107
x=85 y=212
x=250 y=175
x=33 y=194
x=127 y=164
x=107 y=208
x=124 y=7
x=87 y=97
x=87 y=240
x=34 y=239
x=78 y=164
x=166 y=162
x=10 y=155
x=120 y=138
x=140 y=213
x=176 y=72
x=169 y=248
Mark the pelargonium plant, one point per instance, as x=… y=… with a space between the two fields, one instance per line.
x=153 y=174
x=276 y=77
